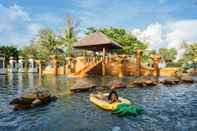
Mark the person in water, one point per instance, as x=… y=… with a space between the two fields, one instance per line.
x=113 y=96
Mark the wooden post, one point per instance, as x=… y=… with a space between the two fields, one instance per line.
x=138 y=62
x=65 y=67
x=103 y=63
x=156 y=71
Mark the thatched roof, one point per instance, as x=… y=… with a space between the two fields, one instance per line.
x=96 y=42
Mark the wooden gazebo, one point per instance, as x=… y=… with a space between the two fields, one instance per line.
x=97 y=42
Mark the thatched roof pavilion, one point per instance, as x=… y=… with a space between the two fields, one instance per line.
x=97 y=42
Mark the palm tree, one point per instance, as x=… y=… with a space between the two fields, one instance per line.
x=69 y=36
x=47 y=39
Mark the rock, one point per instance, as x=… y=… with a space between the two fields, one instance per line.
x=22 y=100
x=144 y=82
x=43 y=95
x=170 y=81
x=138 y=82
x=36 y=102
x=149 y=83
x=99 y=88
x=32 y=99
x=82 y=85
x=187 y=79
x=81 y=89
x=117 y=85
x=22 y=106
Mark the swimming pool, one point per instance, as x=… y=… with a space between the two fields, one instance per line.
x=167 y=108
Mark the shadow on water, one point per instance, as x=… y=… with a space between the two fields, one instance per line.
x=167 y=108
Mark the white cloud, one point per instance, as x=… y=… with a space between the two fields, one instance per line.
x=33 y=28
x=181 y=31
x=16 y=26
x=170 y=34
x=152 y=35
x=9 y=16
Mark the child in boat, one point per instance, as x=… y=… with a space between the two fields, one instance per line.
x=113 y=96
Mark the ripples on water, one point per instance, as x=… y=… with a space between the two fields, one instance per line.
x=172 y=108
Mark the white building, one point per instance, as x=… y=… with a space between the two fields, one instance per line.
x=21 y=65
x=32 y=66
x=2 y=64
x=12 y=65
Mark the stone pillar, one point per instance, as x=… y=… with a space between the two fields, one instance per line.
x=156 y=71
x=55 y=64
x=39 y=63
x=13 y=66
x=121 y=67
x=138 y=62
x=32 y=66
x=68 y=65
x=21 y=65
x=103 y=63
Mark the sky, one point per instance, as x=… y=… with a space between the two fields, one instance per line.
x=161 y=23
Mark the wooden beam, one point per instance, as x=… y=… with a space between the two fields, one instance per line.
x=103 y=63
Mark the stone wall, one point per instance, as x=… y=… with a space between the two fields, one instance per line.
x=168 y=71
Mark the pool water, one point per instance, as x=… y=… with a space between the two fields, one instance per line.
x=167 y=108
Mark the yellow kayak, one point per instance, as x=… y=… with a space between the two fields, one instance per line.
x=101 y=101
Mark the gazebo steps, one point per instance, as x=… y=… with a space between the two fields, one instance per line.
x=83 y=72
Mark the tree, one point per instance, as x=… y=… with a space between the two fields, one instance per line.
x=146 y=55
x=129 y=43
x=168 y=55
x=34 y=50
x=190 y=55
x=69 y=35
x=9 y=51
x=47 y=43
x=48 y=40
x=91 y=30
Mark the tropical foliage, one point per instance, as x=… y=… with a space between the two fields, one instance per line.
x=191 y=52
x=47 y=39
x=48 y=43
x=9 y=51
x=168 y=55
x=146 y=56
x=190 y=56
x=35 y=50
x=69 y=36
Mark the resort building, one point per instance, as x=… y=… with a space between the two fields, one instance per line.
x=21 y=65
x=102 y=61
x=12 y=65
x=2 y=63
x=32 y=68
